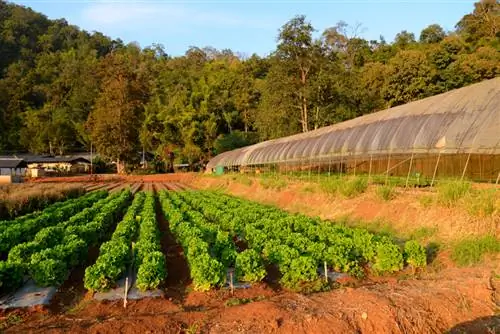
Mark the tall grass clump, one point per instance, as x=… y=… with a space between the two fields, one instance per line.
x=386 y=193
x=483 y=203
x=353 y=187
x=449 y=193
x=472 y=250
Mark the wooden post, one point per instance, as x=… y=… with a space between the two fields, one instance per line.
x=231 y=284
x=326 y=273
x=465 y=167
x=498 y=178
x=370 y=169
x=329 y=166
x=387 y=171
x=355 y=162
x=125 y=293
x=409 y=171
x=435 y=169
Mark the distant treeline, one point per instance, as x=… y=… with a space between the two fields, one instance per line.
x=62 y=88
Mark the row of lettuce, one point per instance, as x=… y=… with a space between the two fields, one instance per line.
x=140 y=229
x=46 y=246
x=62 y=241
x=218 y=231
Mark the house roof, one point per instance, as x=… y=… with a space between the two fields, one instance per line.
x=12 y=163
x=71 y=159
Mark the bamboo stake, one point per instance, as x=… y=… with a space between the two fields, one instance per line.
x=498 y=178
x=435 y=169
x=387 y=171
x=409 y=171
x=231 y=284
x=326 y=273
x=465 y=167
x=370 y=169
x=125 y=293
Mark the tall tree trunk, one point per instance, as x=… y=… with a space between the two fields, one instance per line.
x=303 y=79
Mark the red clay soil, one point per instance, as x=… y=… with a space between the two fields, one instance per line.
x=428 y=305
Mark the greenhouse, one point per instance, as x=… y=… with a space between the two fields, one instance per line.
x=455 y=134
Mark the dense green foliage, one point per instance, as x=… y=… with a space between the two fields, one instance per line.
x=56 y=249
x=115 y=254
x=61 y=87
x=21 y=230
x=296 y=244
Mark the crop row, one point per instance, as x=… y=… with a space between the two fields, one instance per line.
x=115 y=254
x=55 y=250
x=298 y=244
x=208 y=249
x=150 y=261
x=139 y=224
x=25 y=228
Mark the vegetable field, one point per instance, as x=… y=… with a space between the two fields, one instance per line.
x=218 y=234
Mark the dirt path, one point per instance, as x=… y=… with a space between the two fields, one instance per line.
x=177 y=268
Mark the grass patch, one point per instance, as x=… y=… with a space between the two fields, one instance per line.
x=386 y=193
x=243 y=301
x=10 y=320
x=243 y=179
x=472 y=251
x=353 y=187
x=482 y=202
x=449 y=193
x=423 y=233
x=273 y=183
x=426 y=200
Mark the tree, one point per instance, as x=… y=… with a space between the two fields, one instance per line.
x=432 y=34
x=117 y=115
x=295 y=48
x=483 y=22
x=404 y=39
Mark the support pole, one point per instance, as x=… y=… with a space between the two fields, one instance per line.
x=387 y=171
x=498 y=178
x=370 y=169
x=355 y=162
x=465 y=167
x=435 y=169
x=409 y=171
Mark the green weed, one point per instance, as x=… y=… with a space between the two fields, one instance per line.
x=386 y=193
x=482 y=202
x=426 y=200
x=449 y=193
x=471 y=251
x=353 y=187
x=423 y=233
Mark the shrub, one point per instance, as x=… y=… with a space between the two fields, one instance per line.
x=415 y=254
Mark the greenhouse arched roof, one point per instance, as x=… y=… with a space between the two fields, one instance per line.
x=464 y=120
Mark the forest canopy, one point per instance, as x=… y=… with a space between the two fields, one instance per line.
x=63 y=89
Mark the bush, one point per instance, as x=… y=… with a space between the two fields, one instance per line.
x=415 y=254
x=249 y=266
x=471 y=251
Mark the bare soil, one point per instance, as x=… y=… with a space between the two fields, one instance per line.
x=440 y=299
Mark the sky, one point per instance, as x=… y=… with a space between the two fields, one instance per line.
x=245 y=26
